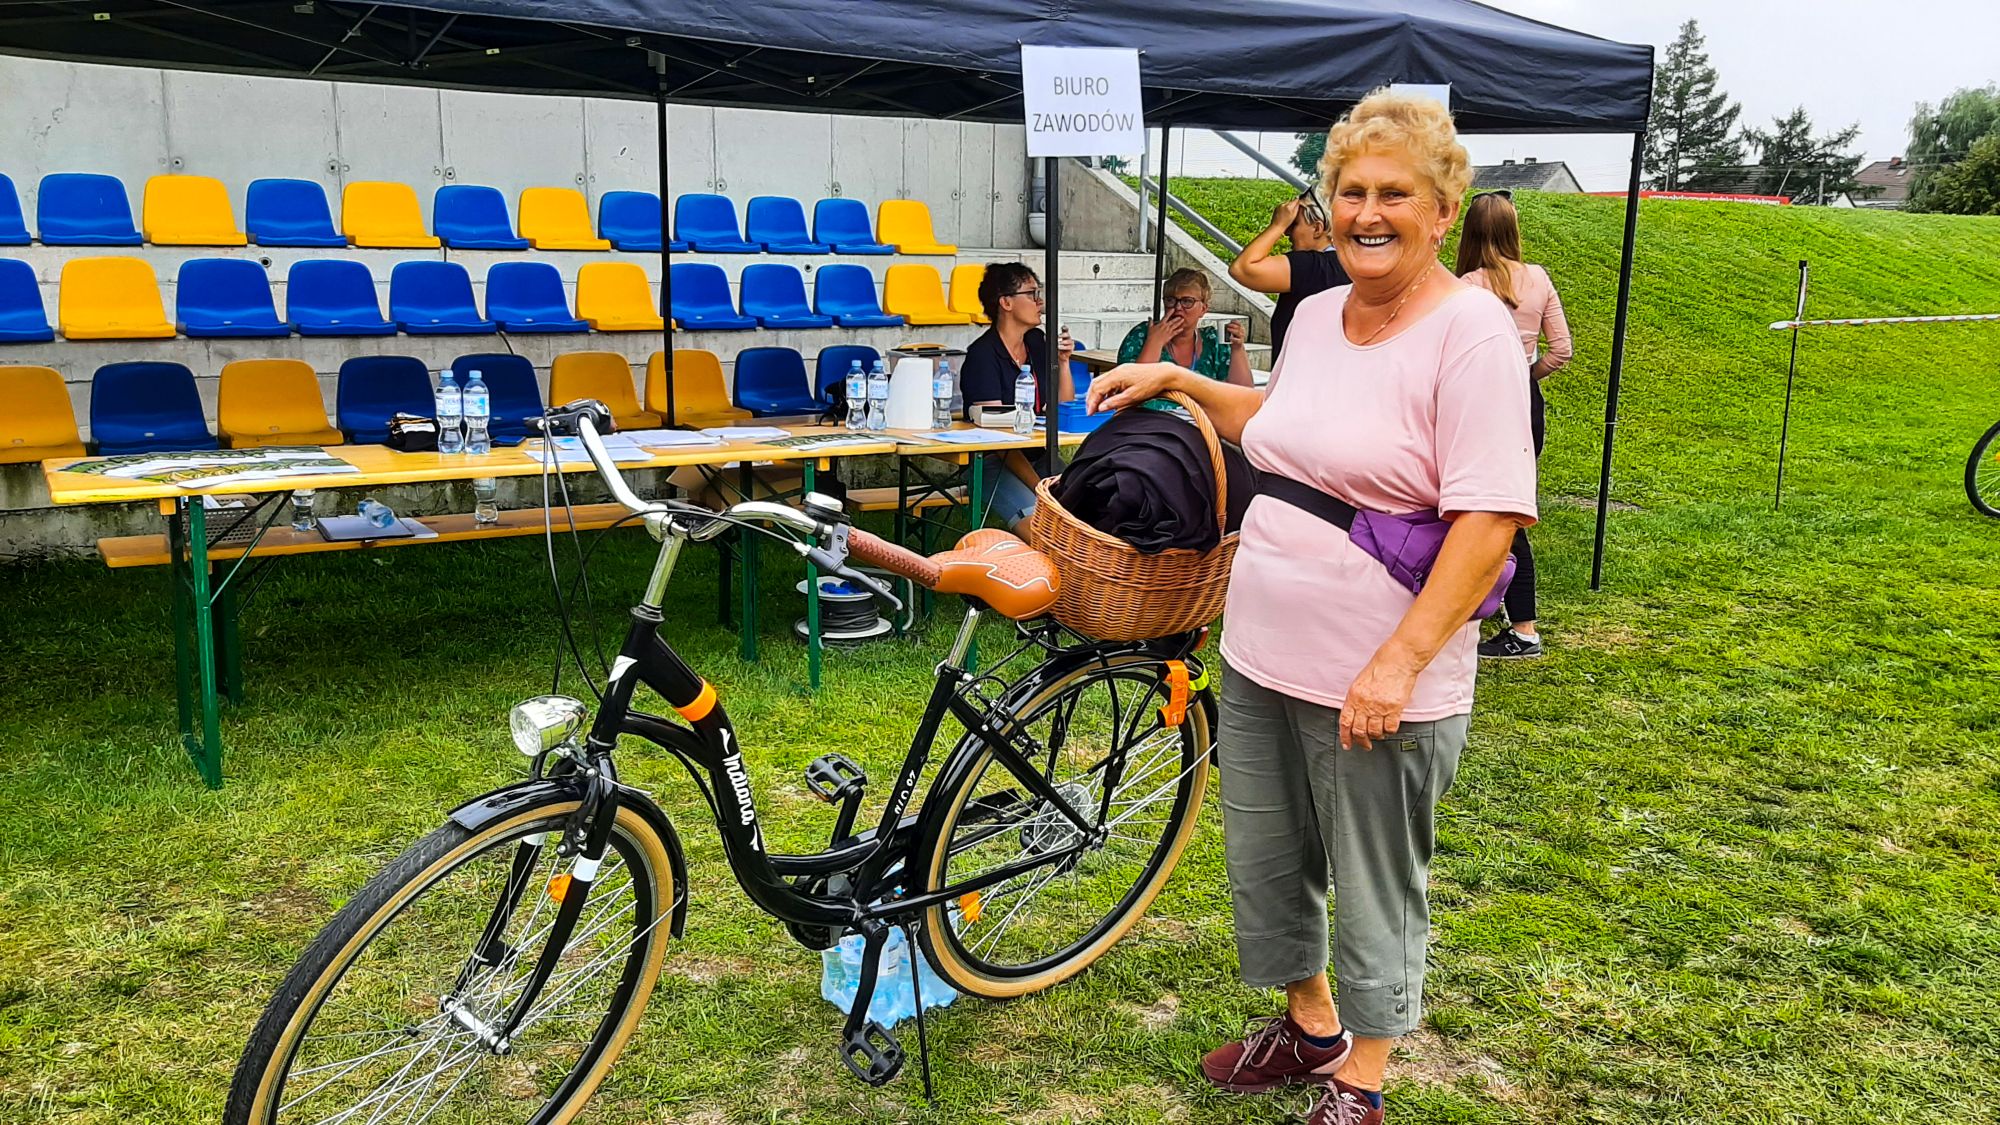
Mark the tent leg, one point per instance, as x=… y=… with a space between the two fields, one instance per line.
x=1617 y=358
x=666 y=256
x=1052 y=312
x=1160 y=223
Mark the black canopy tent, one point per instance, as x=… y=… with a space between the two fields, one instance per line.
x=1264 y=64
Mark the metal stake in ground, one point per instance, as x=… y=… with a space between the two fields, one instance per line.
x=1791 y=372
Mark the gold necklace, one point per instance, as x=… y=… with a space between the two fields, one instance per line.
x=1407 y=294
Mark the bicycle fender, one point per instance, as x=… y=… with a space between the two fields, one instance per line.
x=507 y=800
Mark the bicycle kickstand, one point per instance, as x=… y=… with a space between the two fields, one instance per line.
x=913 y=956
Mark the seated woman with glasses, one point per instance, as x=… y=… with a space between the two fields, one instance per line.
x=1309 y=267
x=1011 y=295
x=1180 y=338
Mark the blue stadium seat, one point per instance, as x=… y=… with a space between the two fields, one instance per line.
x=147 y=408
x=844 y=224
x=470 y=217
x=701 y=298
x=13 y=226
x=514 y=395
x=290 y=213
x=776 y=295
x=329 y=297
x=529 y=297
x=226 y=297
x=23 y=320
x=708 y=223
x=374 y=388
x=772 y=381
x=831 y=367
x=84 y=209
x=847 y=294
x=434 y=299
x=779 y=223
x=631 y=220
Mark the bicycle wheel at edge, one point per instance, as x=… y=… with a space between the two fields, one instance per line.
x=997 y=951
x=432 y=903
x=1982 y=474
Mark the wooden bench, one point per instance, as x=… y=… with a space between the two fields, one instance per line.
x=887 y=499
x=281 y=539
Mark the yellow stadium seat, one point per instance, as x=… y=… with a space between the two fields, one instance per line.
x=606 y=377
x=916 y=293
x=965 y=292
x=555 y=218
x=272 y=402
x=700 y=398
x=906 y=225
x=189 y=211
x=616 y=297
x=38 y=423
x=111 y=299
x=379 y=214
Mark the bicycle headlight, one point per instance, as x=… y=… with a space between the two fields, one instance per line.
x=545 y=722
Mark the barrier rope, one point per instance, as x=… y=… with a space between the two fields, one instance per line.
x=1786 y=325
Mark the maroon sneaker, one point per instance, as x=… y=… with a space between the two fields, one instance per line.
x=1275 y=1053
x=1342 y=1104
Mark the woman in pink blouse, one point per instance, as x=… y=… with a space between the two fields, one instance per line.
x=1489 y=256
x=1346 y=698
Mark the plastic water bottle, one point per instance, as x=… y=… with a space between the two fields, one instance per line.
x=377 y=513
x=857 y=397
x=878 y=398
x=302 y=509
x=941 y=382
x=1024 y=401
x=478 y=411
x=485 y=497
x=450 y=414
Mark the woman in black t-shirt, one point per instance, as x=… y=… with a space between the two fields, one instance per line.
x=1011 y=295
x=1309 y=268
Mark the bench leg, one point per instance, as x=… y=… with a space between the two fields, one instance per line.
x=204 y=745
x=228 y=643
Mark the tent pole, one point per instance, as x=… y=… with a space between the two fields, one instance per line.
x=1617 y=357
x=1160 y=225
x=1052 y=324
x=666 y=257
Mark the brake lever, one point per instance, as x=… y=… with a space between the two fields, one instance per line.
x=836 y=564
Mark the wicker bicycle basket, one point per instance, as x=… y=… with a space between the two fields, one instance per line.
x=1112 y=591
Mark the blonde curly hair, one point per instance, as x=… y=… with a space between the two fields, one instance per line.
x=1408 y=124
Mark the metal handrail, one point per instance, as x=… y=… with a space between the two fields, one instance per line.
x=1193 y=216
x=1275 y=168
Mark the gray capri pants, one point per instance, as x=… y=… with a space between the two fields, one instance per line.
x=1298 y=813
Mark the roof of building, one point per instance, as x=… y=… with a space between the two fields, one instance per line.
x=1892 y=179
x=1525 y=175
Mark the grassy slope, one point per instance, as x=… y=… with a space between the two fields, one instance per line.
x=1729 y=852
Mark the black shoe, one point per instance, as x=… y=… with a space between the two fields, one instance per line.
x=1509 y=645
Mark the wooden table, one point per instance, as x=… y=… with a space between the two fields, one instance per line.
x=1098 y=360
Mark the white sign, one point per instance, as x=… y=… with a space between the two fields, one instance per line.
x=1082 y=101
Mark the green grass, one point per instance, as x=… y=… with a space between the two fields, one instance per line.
x=1730 y=853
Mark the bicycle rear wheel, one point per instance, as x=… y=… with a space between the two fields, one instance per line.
x=1982 y=474
x=381 y=1019
x=1097 y=728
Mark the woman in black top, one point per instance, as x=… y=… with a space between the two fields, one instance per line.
x=1309 y=268
x=1011 y=294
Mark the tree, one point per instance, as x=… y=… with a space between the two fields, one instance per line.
x=1791 y=161
x=1947 y=132
x=1970 y=186
x=1116 y=165
x=1305 y=158
x=1691 y=139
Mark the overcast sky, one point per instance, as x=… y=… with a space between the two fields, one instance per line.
x=1845 y=61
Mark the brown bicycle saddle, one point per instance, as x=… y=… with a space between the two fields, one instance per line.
x=991 y=565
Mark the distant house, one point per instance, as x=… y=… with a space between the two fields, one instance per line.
x=1525 y=175
x=1891 y=180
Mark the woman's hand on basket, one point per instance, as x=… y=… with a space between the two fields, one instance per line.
x=1130 y=384
x=1375 y=702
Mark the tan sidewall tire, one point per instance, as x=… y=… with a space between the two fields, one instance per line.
x=975 y=983
x=636 y=828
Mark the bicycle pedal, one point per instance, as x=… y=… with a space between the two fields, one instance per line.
x=872 y=1053
x=835 y=777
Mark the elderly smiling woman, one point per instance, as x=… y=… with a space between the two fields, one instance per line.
x=1347 y=697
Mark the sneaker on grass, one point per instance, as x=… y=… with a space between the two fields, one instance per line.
x=1342 y=1104
x=1509 y=645
x=1275 y=1053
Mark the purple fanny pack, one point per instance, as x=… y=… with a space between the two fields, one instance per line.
x=1406 y=545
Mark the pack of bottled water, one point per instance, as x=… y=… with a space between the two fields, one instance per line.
x=895 y=999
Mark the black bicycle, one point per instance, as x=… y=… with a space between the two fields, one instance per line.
x=1982 y=474
x=496 y=970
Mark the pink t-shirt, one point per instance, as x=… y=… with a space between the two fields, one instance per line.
x=1436 y=417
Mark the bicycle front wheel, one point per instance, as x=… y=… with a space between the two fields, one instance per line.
x=1982 y=474
x=1104 y=745
x=388 y=1016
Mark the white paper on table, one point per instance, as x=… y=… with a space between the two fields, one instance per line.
x=570 y=451
x=964 y=437
x=670 y=439
x=747 y=433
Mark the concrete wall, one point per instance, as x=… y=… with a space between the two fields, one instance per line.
x=135 y=123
